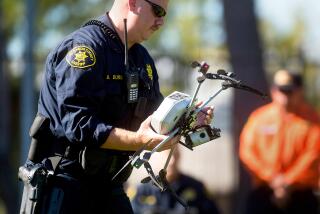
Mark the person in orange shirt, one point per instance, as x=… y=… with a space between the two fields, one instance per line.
x=280 y=147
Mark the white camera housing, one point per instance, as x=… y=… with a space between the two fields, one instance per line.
x=165 y=118
x=199 y=137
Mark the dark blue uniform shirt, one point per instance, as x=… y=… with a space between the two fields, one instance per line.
x=84 y=90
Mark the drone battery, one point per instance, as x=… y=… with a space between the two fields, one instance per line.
x=165 y=118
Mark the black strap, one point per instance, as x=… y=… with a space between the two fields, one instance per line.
x=106 y=29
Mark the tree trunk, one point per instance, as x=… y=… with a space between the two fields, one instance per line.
x=247 y=63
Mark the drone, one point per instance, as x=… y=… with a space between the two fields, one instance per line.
x=176 y=116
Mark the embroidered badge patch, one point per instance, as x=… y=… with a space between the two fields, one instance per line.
x=81 y=57
x=149 y=70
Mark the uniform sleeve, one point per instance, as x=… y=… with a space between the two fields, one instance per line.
x=80 y=91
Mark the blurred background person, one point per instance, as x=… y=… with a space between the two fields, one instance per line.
x=280 y=146
x=149 y=199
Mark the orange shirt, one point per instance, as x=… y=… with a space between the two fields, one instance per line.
x=274 y=142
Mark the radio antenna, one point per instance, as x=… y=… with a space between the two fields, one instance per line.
x=132 y=75
x=126 y=45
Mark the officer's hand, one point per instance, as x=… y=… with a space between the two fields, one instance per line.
x=145 y=133
x=205 y=116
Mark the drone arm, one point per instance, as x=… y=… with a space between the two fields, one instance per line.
x=231 y=82
x=221 y=77
x=244 y=87
x=151 y=174
x=167 y=187
x=169 y=157
x=171 y=135
x=208 y=101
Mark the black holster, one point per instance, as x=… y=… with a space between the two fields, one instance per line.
x=35 y=178
x=41 y=139
x=51 y=174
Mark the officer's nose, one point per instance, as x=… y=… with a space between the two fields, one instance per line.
x=159 y=21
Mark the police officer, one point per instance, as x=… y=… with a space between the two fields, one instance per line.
x=98 y=107
x=98 y=98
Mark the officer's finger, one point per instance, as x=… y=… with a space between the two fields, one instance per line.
x=209 y=112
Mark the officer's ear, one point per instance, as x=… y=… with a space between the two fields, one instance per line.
x=132 y=5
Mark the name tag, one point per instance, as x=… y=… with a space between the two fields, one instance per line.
x=114 y=77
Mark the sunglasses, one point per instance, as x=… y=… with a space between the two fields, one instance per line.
x=157 y=9
x=287 y=92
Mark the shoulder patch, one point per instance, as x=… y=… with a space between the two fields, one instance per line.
x=81 y=57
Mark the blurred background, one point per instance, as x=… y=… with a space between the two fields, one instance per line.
x=252 y=38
